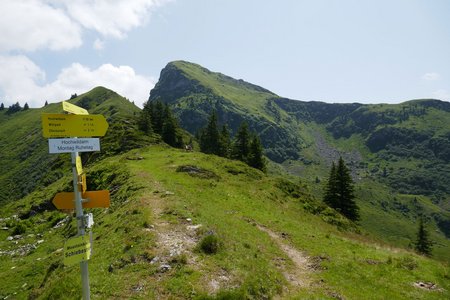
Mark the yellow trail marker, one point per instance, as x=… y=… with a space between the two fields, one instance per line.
x=60 y=125
x=79 y=166
x=77 y=249
x=66 y=200
x=82 y=181
x=69 y=107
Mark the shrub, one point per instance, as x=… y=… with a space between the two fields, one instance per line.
x=209 y=244
x=19 y=229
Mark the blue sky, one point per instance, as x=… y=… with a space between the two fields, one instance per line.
x=323 y=50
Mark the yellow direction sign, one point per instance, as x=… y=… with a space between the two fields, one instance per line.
x=60 y=125
x=69 y=107
x=79 y=166
x=82 y=182
x=77 y=249
x=91 y=199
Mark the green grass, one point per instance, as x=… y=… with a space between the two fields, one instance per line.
x=232 y=207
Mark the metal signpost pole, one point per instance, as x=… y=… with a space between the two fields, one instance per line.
x=81 y=226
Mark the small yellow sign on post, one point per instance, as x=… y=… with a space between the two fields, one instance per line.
x=61 y=125
x=82 y=181
x=71 y=108
x=79 y=166
x=77 y=249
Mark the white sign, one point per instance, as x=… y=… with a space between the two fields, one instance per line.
x=73 y=145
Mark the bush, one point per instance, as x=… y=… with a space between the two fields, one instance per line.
x=209 y=244
x=19 y=229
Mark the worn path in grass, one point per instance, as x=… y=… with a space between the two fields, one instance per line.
x=297 y=276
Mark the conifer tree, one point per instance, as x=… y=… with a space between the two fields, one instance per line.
x=224 y=142
x=346 y=192
x=209 y=138
x=255 y=157
x=423 y=243
x=144 y=120
x=157 y=116
x=2 y=106
x=241 y=143
x=14 y=108
x=46 y=103
x=169 y=128
x=339 y=192
x=330 y=197
x=26 y=107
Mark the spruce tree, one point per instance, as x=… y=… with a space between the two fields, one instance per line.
x=169 y=128
x=157 y=115
x=209 y=139
x=224 y=142
x=26 y=107
x=339 y=191
x=255 y=157
x=2 y=106
x=241 y=143
x=346 y=194
x=144 y=120
x=331 y=194
x=46 y=103
x=423 y=243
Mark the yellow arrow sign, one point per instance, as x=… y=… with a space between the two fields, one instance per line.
x=77 y=249
x=69 y=107
x=94 y=199
x=60 y=125
x=79 y=166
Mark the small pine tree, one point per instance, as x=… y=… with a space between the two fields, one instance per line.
x=2 y=106
x=224 y=142
x=14 y=108
x=339 y=191
x=241 y=143
x=423 y=243
x=46 y=103
x=169 y=130
x=26 y=107
x=348 y=206
x=209 y=138
x=157 y=116
x=256 y=158
x=330 y=197
x=144 y=121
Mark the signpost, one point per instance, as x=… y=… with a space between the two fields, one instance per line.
x=69 y=107
x=77 y=249
x=90 y=199
x=60 y=125
x=77 y=124
x=73 y=145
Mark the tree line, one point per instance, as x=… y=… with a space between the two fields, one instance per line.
x=14 y=108
x=245 y=146
x=156 y=117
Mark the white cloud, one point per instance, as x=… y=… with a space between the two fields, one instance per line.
x=32 y=25
x=58 y=24
x=111 y=18
x=21 y=80
x=442 y=95
x=432 y=76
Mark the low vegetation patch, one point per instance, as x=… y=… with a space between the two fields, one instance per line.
x=198 y=172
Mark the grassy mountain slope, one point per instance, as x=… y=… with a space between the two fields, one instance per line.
x=26 y=163
x=165 y=201
x=194 y=92
x=398 y=153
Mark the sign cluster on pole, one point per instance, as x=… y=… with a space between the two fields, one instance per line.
x=73 y=133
